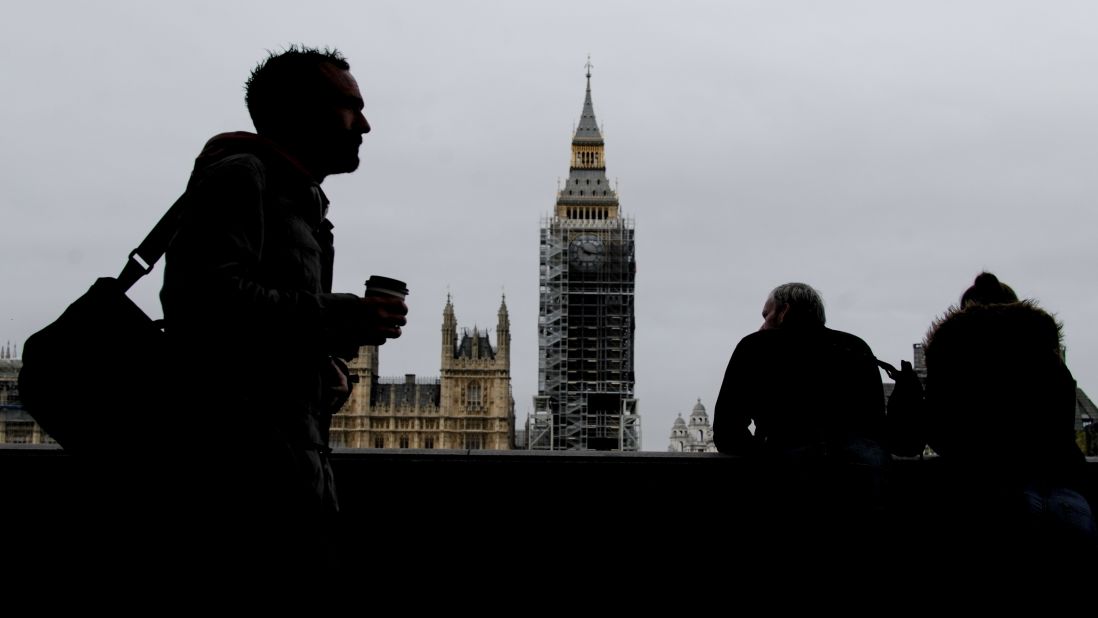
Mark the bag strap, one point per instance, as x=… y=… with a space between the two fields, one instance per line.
x=888 y=369
x=142 y=259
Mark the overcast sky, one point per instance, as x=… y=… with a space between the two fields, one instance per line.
x=884 y=152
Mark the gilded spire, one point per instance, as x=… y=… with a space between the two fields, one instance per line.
x=587 y=193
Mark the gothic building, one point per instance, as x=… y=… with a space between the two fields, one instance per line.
x=16 y=424
x=585 y=397
x=695 y=436
x=468 y=407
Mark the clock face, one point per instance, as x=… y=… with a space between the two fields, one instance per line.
x=586 y=253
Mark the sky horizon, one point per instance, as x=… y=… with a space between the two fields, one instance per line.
x=885 y=153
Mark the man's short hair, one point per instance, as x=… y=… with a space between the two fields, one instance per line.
x=284 y=80
x=805 y=303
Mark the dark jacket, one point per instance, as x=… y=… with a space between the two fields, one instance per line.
x=803 y=386
x=998 y=391
x=248 y=306
x=1000 y=410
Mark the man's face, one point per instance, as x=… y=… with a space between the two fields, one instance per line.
x=773 y=314
x=337 y=124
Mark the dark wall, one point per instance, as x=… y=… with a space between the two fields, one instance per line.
x=635 y=517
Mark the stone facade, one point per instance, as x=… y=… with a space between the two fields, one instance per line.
x=469 y=406
x=695 y=436
x=16 y=425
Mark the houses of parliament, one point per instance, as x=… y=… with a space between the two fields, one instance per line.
x=469 y=406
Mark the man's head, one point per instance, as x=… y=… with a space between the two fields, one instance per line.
x=793 y=304
x=308 y=102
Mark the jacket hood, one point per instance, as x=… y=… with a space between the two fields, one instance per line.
x=1025 y=322
x=243 y=142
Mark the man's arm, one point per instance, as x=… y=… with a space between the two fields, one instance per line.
x=217 y=259
x=733 y=412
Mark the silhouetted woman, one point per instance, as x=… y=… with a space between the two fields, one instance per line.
x=1000 y=409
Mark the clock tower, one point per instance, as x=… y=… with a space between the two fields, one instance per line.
x=585 y=397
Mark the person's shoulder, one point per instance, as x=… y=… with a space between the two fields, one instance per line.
x=759 y=338
x=237 y=162
x=848 y=340
x=233 y=155
x=241 y=169
x=762 y=343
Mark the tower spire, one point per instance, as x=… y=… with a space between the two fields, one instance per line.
x=587 y=194
x=449 y=332
x=588 y=130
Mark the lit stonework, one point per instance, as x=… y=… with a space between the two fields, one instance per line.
x=695 y=436
x=469 y=407
x=16 y=425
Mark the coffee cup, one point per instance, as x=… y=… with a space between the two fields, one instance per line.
x=386 y=286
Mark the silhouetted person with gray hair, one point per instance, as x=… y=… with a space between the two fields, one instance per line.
x=805 y=386
x=815 y=397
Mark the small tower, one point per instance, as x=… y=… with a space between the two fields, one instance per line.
x=348 y=427
x=449 y=332
x=695 y=436
x=679 y=436
x=503 y=333
x=476 y=406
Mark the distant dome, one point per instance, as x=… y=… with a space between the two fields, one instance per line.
x=679 y=423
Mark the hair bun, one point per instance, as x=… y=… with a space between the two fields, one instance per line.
x=987 y=290
x=987 y=281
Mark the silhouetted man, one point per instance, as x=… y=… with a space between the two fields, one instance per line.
x=815 y=397
x=258 y=333
x=804 y=385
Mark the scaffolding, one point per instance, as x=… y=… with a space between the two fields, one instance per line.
x=585 y=319
x=585 y=395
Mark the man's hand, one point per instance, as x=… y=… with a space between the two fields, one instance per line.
x=384 y=317
x=337 y=384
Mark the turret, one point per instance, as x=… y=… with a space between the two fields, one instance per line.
x=449 y=333
x=503 y=334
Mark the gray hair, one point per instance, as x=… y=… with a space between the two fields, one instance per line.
x=805 y=303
